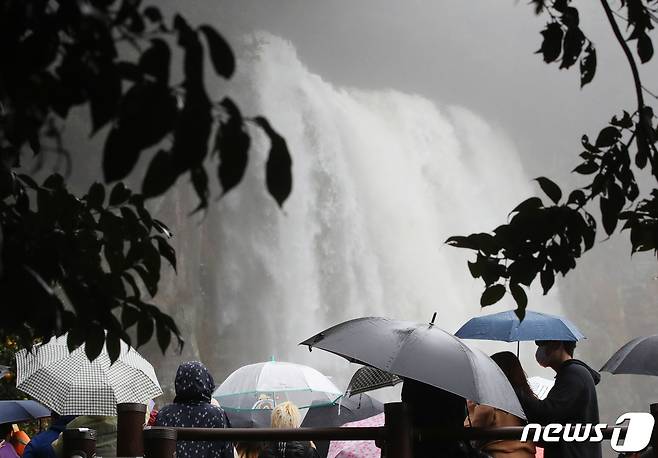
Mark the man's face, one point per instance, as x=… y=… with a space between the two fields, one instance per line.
x=546 y=352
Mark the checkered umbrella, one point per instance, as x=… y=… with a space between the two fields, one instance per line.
x=370 y=378
x=71 y=385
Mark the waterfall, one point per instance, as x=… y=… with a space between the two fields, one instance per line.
x=381 y=179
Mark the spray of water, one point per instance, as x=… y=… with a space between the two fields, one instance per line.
x=381 y=179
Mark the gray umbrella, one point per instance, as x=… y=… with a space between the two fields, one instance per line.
x=422 y=352
x=639 y=356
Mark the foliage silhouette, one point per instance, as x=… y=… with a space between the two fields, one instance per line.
x=82 y=263
x=546 y=239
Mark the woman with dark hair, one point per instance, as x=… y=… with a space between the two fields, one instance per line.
x=482 y=416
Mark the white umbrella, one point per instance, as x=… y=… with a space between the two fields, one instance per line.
x=540 y=386
x=71 y=385
x=264 y=385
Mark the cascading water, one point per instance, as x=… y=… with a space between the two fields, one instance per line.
x=381 y=179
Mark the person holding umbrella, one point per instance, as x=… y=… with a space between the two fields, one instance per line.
x=483 y=416
x=571 y=400
x=41 y=444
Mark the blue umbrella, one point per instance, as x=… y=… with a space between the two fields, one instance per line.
x=15 y=411
x=506 y=326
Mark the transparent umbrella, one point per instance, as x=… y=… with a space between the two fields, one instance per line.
x=262 y=386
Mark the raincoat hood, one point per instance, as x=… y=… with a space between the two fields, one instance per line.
x=595 y=375
x=193 y=382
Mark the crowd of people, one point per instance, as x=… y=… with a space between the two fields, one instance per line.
x=572 y=400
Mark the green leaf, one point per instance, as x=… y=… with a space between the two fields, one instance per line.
x=552 y=43
x=547 y=279
x=133 y=284
x=129 y=316
x=644 y=48
x=155 y=61
x=519 y=295
x=163 y=334
x=144 y=329
x=153 y=14
x=94 y=342
x=149 y=281
x=588 y=66
x=119 y=195
x=232 y=142
x=221 y=54
x=625 y=122
x=492 y=294
x=113 y=346
x=550 y=189
x=587 y=168
x=166 y=251
x=278 y=172
x=577 y=197
x=607 y=137
x=96 y=196
x=160 y=176
x=475 y=269
x=200 y=183
x=531 y=203
x=75 y=337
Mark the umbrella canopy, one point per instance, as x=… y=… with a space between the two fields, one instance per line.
x=506 y=326
x=639 y=356
x=370 y=378
x=357 y=449
x=540 y=386
x=424 y=353
x=15 y=411
x=264 y=385
x=346 y=411
x=71 y=385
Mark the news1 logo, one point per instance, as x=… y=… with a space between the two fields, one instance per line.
x=638 y=432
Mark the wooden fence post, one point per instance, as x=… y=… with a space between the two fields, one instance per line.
x=79 y=443
x=399 y=431
x=159 y=442
x=653 y=408
x=131 y=418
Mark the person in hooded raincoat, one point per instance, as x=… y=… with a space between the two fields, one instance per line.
x=192 y=408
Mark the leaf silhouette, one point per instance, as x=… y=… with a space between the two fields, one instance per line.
x=221 y=54
x=588 y=66
x=160 y=176
x=492 y=294
x=550 y=188
x=278 y=171
x=232 y=142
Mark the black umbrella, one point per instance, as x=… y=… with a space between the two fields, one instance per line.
x=260 y=418
x=421 y=352
x=15 y=411
x=639 y=356
x=346 y=411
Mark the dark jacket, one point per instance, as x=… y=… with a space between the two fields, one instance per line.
x=432 y=407
x=40 y=445
x=192 y=408
x=571 y=400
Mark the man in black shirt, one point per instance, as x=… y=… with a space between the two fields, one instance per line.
x=571 y=400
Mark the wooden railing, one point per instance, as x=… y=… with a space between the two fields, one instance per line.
x=395 y=439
